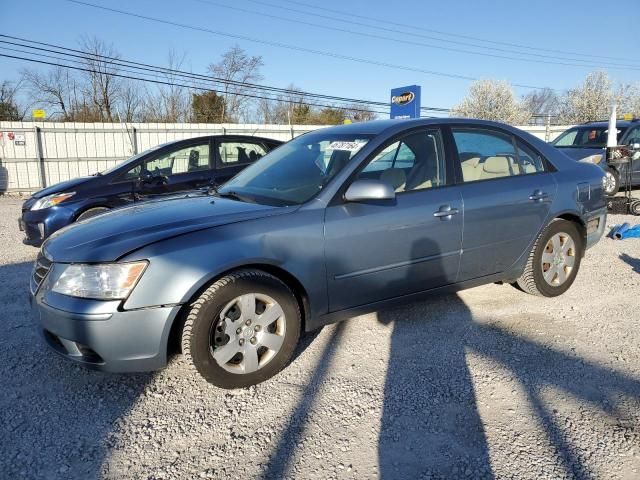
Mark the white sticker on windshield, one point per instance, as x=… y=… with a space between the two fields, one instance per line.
x=346 y=146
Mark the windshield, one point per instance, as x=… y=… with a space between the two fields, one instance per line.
x=585 y=137
x=295 y=172
x=131 y=159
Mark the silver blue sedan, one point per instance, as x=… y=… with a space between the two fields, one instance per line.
x=335 y=223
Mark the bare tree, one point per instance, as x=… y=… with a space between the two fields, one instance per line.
x=589 y=101
x=168 y=103
x=10 y=108
x=492 y=100
x=542 y=102
x=102 y=87
x=238 y=67
x=358 y=112
x=57 y=88
x=130 y=102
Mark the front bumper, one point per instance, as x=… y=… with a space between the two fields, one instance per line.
x=99 y=335
x=38 y=225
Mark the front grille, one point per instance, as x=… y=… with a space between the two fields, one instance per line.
x=40 y=270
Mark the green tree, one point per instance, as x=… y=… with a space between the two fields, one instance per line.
x=207 y=107
x=329 y=116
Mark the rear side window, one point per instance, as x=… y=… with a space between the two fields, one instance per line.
x=486 y=155
x=530 y=162
x=239 y=153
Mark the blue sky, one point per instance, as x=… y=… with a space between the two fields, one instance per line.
x=574 y=26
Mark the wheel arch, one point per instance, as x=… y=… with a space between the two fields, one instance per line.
x=89 y=207
x=290 y=280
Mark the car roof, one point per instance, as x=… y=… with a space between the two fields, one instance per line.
x=221 y=136
x=604 y=123
x=375 y=127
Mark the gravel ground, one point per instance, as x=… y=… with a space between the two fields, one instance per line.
x=487 y=383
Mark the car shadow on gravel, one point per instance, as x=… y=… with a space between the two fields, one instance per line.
x=431 y=426
x=57 y=419
x=634 y=263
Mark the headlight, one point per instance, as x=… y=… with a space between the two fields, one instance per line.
x=51 y=200
x=104 y=282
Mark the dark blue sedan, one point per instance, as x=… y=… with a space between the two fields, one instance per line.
x=165 y=170
x=335 y=223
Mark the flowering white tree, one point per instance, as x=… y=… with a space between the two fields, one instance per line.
x=589 y=101
x=492 y=100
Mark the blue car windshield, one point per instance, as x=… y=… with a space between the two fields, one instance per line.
x=297 y=171
x=585 y=137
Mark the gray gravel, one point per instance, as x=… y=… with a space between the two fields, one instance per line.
x=487 y=383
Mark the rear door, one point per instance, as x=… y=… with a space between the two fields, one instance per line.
x=378 y=250
x=507 y=189
x=233 y=155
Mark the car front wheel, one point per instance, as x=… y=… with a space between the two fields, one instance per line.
x=611 y=182
x=242 y=330
x=554 y=261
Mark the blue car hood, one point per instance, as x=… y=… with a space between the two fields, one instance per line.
x=61 y=187
x=110 y=236
x=580 y=153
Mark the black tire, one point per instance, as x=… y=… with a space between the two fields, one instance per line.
x=532 y=279
x=613 y=179
x=634 y=208
x=92 y=212
x=203 y=320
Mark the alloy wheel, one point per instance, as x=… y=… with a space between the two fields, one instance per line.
x=558 y=259
x=248 y=334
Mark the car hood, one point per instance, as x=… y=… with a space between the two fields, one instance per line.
x=66 y=186
x=110 y=236
x=581 y=153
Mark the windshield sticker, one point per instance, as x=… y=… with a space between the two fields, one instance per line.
x=346 y=146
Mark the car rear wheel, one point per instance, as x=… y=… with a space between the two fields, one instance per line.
x=554 y=261
x=92 y=212
x=611 y=182
x=242 y=330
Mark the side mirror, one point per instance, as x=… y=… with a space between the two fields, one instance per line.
x=363 y=190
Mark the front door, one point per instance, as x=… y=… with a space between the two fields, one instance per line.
x=179 y=169
x=507 y=190
x=380 y=250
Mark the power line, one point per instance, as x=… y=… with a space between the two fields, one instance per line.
x=552 y=59
x=119 y=62
x=386 y=21
x=160 y=82
x=180 y=73
x=289 y=46
x=193 y=84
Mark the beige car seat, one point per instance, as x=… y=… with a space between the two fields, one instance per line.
x=496 y=167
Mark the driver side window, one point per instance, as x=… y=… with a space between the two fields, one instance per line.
x=415 y=162
x=184 y=160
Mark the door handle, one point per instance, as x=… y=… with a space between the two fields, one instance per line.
x=538 y=196
x=445 y=212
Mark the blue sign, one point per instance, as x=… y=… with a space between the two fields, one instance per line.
x=405 y=102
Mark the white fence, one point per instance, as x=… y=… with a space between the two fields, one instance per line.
x=38 y=154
